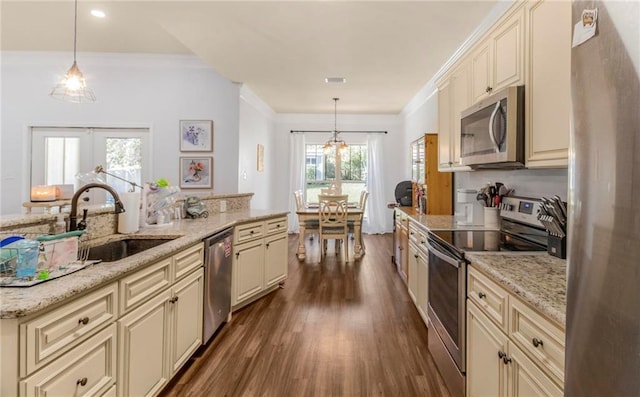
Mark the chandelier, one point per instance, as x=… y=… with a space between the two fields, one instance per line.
x=335 y=141
x=73 y=87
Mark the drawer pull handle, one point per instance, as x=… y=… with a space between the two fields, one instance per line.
x=482 y=295
x=536 y=342
x=84 y=321
x=82 y=382
x=501 y=354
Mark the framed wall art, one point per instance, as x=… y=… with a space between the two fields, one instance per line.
x=196 y=135
x=196 y=172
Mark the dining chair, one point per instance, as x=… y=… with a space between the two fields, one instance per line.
x=364 y=195
x=310 y=224
x=332 y=213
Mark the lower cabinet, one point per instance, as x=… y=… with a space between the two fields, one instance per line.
x=260 y=259
x=496 y=365
x=159 y=336
x=418 y=262
x=87 y=370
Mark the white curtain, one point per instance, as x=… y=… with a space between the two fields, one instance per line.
x=376 y=210
x=297 y=177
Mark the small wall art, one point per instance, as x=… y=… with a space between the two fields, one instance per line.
x=260 y=157
x=196 y=135
x=196 y=172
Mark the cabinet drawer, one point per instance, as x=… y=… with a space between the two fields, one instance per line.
x=50 y=335
x=417 y=235
x=144 y=284
x=278 y=225
x=492 y=299
x=187 y=261
x=539 y=338
x=248 y=232
x=87 y=370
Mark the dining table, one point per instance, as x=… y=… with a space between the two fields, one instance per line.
x=311 y=213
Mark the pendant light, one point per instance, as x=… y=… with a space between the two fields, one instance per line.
x=73 y=87
x=335 y=141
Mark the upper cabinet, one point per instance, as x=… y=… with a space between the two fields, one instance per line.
x=454 y=95
x=498 y=61
x=548 y=85
x=530 y=45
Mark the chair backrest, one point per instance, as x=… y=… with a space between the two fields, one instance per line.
x=332 y=189
x=299 y=197
x=363 y=200
x=333 y=211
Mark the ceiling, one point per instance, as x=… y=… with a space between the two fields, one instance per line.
x=386 y=50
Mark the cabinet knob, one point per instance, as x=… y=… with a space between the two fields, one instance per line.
x=411 y=233
x=506 y=359
x=422 y=241
x=237 y=254
x=415 y=256
x=482 y=295
x=253 y=231
x=278 y=225
x=82 y=382
x=501 y=354
x=84 y=321
x=536 y=342
x=267 y=245
x=173 y=300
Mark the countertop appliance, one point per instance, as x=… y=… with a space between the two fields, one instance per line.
x=603 y=282
x=520 y=231
x=217 y=281
x=492 y=131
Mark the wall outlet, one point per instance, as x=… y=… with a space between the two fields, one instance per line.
x=223 y=205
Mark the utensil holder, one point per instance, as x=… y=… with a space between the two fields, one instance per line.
x=491 y=218
x=557 y=246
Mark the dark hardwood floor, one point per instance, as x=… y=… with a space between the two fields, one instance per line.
x=335 y=329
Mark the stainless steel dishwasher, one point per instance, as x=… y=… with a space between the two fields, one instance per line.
x=217 y=281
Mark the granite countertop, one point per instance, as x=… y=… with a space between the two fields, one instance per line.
x=538 y=278
x=21 y=301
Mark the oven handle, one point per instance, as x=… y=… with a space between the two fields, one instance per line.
x=432 y=247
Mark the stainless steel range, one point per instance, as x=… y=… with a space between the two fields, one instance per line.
x=520 y=231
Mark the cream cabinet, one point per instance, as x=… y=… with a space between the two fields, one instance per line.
x=498 y=61
x=454 y=96
x=401 y=243
x=158 y=336
x=259 y=260
x=512 y=350
x=418 y=268
x=548 y=90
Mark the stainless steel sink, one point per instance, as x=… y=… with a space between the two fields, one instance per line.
x=121 y=249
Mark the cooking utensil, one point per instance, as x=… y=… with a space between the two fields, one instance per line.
x=482 y=198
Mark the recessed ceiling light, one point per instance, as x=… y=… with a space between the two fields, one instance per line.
x=98 y=13
x=338 y=80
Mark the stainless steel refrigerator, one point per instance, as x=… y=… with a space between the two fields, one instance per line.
x=603 y=297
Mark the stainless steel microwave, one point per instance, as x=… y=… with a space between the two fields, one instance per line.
x=492 y=131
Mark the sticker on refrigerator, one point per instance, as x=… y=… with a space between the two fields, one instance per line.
x=585 y=28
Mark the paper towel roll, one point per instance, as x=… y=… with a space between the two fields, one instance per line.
x=129 y=221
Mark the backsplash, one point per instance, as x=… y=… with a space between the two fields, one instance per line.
x=101 y=221
x=526 y=183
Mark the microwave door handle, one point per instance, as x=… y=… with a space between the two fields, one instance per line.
x=491 y=125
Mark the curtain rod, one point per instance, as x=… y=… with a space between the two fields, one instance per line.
x=346 y=132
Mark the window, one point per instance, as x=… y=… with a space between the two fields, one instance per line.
x=320 y=170
x=58 y=154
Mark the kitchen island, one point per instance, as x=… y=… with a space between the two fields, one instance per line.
x=125 y=327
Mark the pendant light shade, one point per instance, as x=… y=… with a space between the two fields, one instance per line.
x=335 y=141
x=73 y=87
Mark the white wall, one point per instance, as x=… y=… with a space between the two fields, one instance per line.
x=132 y=90
x=257 y=126
x=395 y=152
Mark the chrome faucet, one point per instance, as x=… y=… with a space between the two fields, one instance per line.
x=73 y=217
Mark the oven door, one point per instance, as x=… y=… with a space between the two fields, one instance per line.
x=447 y=300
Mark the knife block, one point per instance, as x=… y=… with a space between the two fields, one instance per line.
x=557 y=246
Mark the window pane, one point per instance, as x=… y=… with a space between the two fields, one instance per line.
x=124 y=159
x=61 y=160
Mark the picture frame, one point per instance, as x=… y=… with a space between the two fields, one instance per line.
x=196 y=172
x=196 y=135
x=260 y=160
